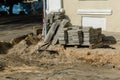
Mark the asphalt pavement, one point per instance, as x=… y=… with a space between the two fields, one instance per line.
x=15 y=26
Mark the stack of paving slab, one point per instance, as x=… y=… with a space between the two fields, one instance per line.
x=63 y=36
x=91 y=35
x=80 y=36
x=74 y=37
x=60 y=30
x=76 y=27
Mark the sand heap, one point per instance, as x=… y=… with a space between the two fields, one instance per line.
x=24 y=53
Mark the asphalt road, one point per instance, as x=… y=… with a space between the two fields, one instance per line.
x=15 y=26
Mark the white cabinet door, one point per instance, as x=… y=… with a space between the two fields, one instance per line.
x=54 y=6
x=94 y=22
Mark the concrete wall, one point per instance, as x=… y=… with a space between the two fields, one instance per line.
x=113 y=20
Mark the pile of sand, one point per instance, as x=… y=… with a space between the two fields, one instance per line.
x=4 y=47
x=24 y=53
x=99 y=56
x=19 y=53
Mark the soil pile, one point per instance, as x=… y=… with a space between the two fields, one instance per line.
x=2 y=66
x=24 y=53
x=4 y=47
x=101 y=56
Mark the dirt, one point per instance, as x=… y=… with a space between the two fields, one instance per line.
x=57 y=63
x=20 y=61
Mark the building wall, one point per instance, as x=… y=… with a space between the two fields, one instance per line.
x=112 y=21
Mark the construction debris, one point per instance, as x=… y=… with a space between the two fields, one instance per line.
x=59 y=29
x=51 y=32
x=52 y=17
x=62 y=26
